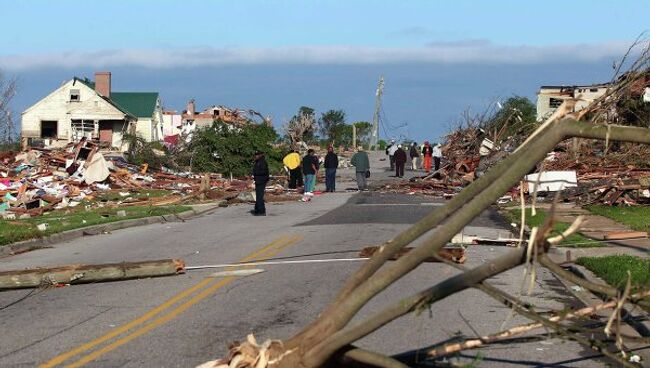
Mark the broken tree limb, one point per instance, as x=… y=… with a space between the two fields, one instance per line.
x=455 y=254
x=503 y=176
x=80 y=274
x=409 y=304
x=518 y=330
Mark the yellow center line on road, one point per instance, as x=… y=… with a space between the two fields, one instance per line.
x=269 y=250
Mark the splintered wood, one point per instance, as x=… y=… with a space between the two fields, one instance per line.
x=455 y=254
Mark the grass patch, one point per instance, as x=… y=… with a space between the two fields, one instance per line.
x=573 y=241
x=613 y=269
x=17 y=230
x=637 y=217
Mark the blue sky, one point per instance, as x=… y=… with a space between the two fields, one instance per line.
x=278 y=55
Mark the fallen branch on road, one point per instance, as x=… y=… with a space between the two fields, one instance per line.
x=81 y=274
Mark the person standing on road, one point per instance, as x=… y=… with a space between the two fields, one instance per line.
x=362 y=167
x=437 y=156
x=261 y=177
x=415 y=154
x=309 y=169
x=427 y=152
x=390 y=150
x=400 y=161
x=331 y=164
x=292 y=162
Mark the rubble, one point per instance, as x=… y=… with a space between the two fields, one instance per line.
x=37 y=181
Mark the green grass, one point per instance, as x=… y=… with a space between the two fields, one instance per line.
x=637 y=217
x=574 y=240
x=613 y=269
x=17 y=230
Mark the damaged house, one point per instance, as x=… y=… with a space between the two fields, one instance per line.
x=83 y=108
x=550 y=98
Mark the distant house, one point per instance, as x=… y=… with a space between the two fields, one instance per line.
x=83 y=108
x=549 y=98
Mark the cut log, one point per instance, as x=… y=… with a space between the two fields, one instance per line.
x=455 y=254
x=79 y=274
x=621 y=235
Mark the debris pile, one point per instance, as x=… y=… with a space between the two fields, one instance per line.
x=40 y=180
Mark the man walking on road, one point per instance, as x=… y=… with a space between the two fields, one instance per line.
x=400 y=161
x=362 y=165
x=437 y=156
x=415 y=154
x=331 y=164
x=261 y=177
x=427 y=151
x=310 y=168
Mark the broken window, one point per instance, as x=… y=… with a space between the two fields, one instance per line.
x=593 y=90
x=82 y=128
x=74 y=95
x=554 y=103
x=49 y=129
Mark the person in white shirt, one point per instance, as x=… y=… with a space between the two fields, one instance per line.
x=437 y=156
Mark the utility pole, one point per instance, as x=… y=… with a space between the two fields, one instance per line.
x=375 y=120
x=354 y=136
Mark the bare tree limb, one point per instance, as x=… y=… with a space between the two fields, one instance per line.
x=370 y=358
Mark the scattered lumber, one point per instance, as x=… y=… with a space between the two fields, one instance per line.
x=80 y=274
x=453 y=254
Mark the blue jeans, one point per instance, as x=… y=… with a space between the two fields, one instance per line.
x=330 y=180
x=309 y=183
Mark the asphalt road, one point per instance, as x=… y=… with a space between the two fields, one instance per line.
x=185 y=320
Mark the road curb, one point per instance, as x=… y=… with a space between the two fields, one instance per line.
x=46 y=241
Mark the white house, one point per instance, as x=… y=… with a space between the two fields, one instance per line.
x=83 y=108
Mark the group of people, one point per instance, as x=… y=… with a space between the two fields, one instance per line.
x=429 y=153
x=303 y=171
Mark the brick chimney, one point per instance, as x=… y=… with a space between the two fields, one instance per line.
x=103 y=83
x=191 y=107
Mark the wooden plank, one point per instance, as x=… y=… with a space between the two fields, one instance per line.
x=621 y=235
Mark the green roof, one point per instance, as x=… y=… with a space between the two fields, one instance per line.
x=138 y=104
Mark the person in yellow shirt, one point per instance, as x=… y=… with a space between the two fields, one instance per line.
x=292 y=162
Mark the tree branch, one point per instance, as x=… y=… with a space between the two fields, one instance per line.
x=369 y=358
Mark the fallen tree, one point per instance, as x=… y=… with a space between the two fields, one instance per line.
x=328 y=341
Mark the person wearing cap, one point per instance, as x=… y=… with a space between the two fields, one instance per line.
x=361 y=164
x=261 y=177
x=400 y=161
x=331 y=164
x=436 y=152
x=427 y=152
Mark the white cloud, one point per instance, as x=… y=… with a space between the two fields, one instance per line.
x=467 y=51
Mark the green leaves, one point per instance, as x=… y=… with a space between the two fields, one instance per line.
x=229 y=150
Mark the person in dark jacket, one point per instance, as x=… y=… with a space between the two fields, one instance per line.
x=331 y=164
x=309 y=169
x=261 y=177
x=400 y=161
x=415 y=154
